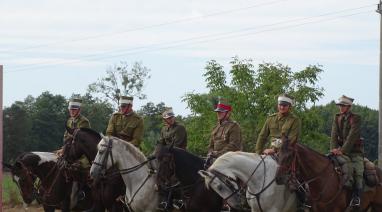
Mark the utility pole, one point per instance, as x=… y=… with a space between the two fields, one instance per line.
x=379 y=10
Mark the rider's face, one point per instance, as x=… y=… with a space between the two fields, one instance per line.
x=222 y=115
x=125 y=109
x=283 y=108
x=169 y=121
x=74 y=112
x=344 y=108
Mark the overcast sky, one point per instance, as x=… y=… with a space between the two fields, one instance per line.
x=63 y=46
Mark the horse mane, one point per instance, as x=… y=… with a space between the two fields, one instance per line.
x=196 y=161
x=303 y=146
x=130 y=148
x=91 y=131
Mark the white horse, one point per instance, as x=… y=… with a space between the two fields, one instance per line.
x=136 y=171
x=254 y=173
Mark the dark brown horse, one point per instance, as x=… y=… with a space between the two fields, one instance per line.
x=300 y=165
x=185 y=166
x=106 y=189
x=38 y=177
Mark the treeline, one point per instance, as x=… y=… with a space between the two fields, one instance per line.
x=38 y=123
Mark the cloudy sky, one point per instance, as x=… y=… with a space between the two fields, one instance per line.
x=63 y=46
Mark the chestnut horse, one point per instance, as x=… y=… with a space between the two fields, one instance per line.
x=302 y=166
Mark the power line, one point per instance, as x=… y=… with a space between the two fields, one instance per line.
x=142 y=28
x=184 y=42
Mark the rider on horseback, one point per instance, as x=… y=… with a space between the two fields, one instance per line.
x=346 y=141
x=172 y=133
x=76 y=121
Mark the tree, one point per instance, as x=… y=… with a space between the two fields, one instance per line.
x=48 y=122
x=151 y=114
x=121 y=81
x=253 y=95
x=17 y=131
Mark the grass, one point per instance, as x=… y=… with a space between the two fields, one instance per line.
x=11 y=194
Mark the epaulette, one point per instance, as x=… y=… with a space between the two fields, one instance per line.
x=117 y=113
x=275 y=114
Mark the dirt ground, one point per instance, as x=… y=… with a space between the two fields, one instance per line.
x=20 y=208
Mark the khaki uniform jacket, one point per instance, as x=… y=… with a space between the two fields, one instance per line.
x=225 y=137
x=174 y=134
x=127 y=127
x=346 y=133
x=277 y=125
x=76 y=122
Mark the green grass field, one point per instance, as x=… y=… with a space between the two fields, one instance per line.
x=11 y=194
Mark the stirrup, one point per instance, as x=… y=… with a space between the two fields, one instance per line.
x=355 y=202
x=178 y=203
x=81 y=195
x=163 y=206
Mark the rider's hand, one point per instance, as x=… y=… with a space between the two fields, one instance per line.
x=336 y=151
x=269 y=151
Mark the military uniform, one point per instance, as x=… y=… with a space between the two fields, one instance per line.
x=176 y=134
x=277 y=125
x=225 y=137
x=346 y=135
x=128 y=127
x=74 y=123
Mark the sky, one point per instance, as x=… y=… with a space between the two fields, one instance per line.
x=63 y=46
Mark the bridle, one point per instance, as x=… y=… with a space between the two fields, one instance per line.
x=103 y=165
x=30 y=178
x=240 y=188
x=293 y=171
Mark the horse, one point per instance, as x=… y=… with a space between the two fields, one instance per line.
x=53 y=190
x=107 y=188
x=304 y=167
x=241 y=175
x=184 y=166
x=137 y=172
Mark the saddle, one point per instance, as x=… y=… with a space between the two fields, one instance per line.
x=343 y=167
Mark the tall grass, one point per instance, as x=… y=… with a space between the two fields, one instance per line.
x=11 y=194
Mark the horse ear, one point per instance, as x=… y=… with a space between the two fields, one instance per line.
x=8 y=166
x=204 y=174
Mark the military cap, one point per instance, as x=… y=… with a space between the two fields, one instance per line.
x=167 y=113
x=345 y=100
x=223 y=106
x=74 y=103
x=285 y=99
x=126 y=100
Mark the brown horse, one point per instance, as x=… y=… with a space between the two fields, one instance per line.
x=106 y=189
x=302 y=166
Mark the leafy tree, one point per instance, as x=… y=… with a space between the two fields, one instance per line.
x=153 y=123
x=253 y=95
x=17 y=130
x=120 y=80
x=48 y=121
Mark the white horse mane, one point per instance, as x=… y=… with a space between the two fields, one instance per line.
x=127 y=146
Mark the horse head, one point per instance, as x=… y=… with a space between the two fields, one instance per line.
x=24 y=179
x=166 y=164
x=227 y=187
x=83 y=142
x=287 y=162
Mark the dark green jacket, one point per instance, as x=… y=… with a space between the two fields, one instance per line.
x=277 y=125
x=76 y=122
x=346 y=133
x=127 y=127
x=176 y=134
